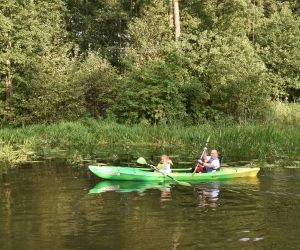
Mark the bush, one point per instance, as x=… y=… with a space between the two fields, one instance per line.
x=152 y=94
x=98 y=81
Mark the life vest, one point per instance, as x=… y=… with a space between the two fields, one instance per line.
x=210 y=162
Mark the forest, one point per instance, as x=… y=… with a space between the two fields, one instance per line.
x=148 y=61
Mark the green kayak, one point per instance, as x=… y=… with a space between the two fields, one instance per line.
x=136 y=174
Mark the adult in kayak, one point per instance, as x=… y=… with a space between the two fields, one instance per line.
x=209 y=163
x=165 y=164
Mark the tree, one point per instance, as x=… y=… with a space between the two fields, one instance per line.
x=34 y=61
x=6 y=72
x=100 y=25
x=98 y=80
x=152 y=94
x=279 y=46
x=224 y=60
x=146 y=60
x=157 y=36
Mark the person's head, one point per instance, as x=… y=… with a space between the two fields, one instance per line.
x=165 y=158
x=214 y=153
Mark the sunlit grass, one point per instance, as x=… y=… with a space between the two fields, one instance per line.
x=285 y=113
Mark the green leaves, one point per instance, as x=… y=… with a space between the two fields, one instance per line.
x=66 y=59
x=35 y=58
x=152 y=94
x=98 y=80
x=279 y=40
x=149 y=36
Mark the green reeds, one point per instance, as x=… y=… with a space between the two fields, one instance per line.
x=14 y=155
x=90 y=139
x=284 y=113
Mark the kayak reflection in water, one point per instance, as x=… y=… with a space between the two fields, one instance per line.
x=165 y=164
x=165 y=194
x=126 y=186
x=208 y=196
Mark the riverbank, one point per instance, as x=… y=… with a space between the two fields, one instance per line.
x=87 y=139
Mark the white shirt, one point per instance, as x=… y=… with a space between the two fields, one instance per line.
x=167 y=168
x=215 y=163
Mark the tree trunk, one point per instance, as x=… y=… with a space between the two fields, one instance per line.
x=8 y=78
x=254 y=21
x=8 y=91
x=171 y=14
x=176 y=19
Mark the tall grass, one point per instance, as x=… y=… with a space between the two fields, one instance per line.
x=88 y=138
x=284 y=113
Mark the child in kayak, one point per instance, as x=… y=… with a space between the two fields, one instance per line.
x=165 y=164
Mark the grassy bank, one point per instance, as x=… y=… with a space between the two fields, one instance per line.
x=89 y=138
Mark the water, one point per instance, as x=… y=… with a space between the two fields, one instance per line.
x=51 y=206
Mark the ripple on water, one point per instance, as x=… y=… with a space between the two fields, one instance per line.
x=251 y=239
x=244 y=239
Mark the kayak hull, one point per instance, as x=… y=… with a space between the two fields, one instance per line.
x=135 y=174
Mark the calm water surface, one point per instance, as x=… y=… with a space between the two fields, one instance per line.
x=55 y=207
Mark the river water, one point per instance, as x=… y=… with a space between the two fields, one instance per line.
x=52 y=206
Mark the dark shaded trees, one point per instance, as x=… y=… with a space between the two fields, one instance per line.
x=150 y=61
x=34 y=59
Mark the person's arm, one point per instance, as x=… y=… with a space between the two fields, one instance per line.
x=214 y=164
x=207 y=165
x=160 y=166
x=204 y=159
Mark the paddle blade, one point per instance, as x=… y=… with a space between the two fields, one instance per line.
x=186 y=184
x=208 y=139
x=141 y=161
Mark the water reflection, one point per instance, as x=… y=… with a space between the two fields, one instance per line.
x=165 y=194
x=49 y=208
x=130 y=186
x=208 y=195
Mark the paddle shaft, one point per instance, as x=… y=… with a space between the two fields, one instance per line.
x=204 y=149
x=142 y=161
x=157 y=169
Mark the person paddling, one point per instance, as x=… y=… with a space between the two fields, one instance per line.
x=165 y=164
x=210 y=163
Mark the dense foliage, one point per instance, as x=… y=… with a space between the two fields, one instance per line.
x=119 y=59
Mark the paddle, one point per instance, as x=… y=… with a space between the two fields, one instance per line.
x=204 y=149
x=142 y=161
